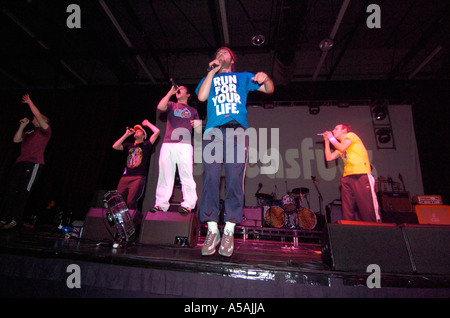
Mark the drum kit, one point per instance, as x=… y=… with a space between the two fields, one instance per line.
x=288 y=212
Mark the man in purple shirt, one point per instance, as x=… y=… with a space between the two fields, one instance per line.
x=27 y=167
x=176 y=151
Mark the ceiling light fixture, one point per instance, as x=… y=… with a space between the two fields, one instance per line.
x=258 y=39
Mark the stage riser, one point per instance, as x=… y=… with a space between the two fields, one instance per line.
x=395 y=249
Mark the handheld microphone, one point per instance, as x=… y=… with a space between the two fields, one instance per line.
x=211 y=67
x=321 y=134
x=173 y=83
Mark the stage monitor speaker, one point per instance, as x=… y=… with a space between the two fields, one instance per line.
x=334 y=211
x=169 y=228
x=354 y=246
x=394 y=201
x=399 y=217
x=433 y=214
x=252 y=216
x=430 y=248
x=96 y=227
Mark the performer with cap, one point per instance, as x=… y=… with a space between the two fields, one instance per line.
x=132 y=183
x=226 y=94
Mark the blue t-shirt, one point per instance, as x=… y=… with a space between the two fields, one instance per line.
x=228 y=98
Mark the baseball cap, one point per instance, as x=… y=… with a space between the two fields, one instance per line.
x=141 y=128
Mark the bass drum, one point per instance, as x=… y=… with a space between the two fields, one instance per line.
x=275 y=216
x=288 y=203
x=306 y=219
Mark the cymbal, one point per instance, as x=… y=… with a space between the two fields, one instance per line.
x=264 y=196
x=300 y=190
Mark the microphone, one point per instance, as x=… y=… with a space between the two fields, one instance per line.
x=321 y=134
x=173 y=83
x=211 y=67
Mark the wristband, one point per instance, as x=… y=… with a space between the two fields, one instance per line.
x=332 y=139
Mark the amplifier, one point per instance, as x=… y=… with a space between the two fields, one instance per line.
x=427 y=199
x=394 y=201
x=252 y=216
x=433 y=214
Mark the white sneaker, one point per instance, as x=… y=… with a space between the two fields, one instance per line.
x=227 y=245
x=211 y=242
x=9 y=225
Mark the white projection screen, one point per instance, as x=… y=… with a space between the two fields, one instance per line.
x=291 y=137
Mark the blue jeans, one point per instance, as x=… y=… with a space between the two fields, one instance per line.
x=225 y=146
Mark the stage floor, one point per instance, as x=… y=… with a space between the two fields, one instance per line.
x=262 y=266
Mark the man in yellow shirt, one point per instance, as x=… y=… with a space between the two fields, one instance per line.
x=359 y=200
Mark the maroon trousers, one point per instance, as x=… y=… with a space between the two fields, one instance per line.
x=359 y=201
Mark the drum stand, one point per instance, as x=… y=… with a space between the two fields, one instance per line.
x=119 y=218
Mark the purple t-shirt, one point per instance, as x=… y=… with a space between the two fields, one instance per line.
x=179 y=116
x=33 y=145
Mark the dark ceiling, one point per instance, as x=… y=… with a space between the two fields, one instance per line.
x=147 y=42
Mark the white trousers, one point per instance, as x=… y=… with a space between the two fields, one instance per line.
x=171 y=156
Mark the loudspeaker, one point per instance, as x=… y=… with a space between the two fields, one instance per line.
x=354 y=246
x=169 y=228
x=430 y=248
x=252 y=216
x=334 y=211
x=394 y=201
x=96 y=226
x=399 y=217
x=433 y=214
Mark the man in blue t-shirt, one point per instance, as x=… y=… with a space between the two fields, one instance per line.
x=225 y=144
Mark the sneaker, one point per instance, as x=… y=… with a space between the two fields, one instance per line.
x=9 y=225
x=184 y=211
x=156 y=209
x=211 y=242
x=227 y=245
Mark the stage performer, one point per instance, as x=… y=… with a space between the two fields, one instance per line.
x=225 y=144
x=27 y=167
x=358 y=195
x=176 y=151
x=132 y=183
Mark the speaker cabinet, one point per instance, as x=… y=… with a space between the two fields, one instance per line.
x=334 y=211
x=96 y=227
x=430 y=248
x=433 y=214
x=354 y=246
x=169 y=228
x=394 y=201
x=252 y=216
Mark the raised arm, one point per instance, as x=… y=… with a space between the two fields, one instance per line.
x=340 y=146
x=203 y=91
x=18 y=136
x=153 y=128
x=41 y=120
x=118 y=144
x=162 y=106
